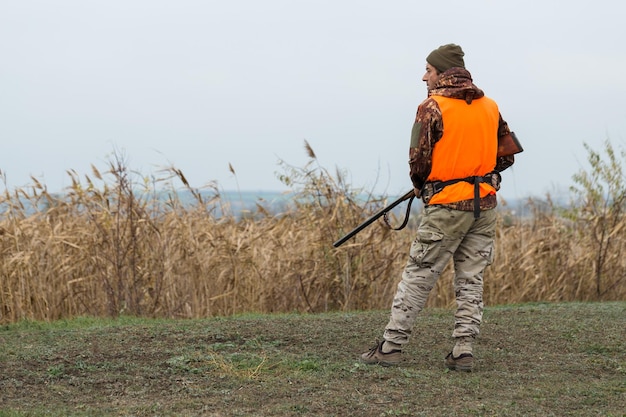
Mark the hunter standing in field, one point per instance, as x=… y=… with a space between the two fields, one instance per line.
x=454 y=167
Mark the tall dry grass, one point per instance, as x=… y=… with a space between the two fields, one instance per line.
x=112 y=245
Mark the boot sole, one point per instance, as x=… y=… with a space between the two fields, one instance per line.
x=381 y=363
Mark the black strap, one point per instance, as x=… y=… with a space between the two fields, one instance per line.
x=477 y=181
x=406 y=216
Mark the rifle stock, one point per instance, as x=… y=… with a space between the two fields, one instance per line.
x=509 y=145
x=372 y=219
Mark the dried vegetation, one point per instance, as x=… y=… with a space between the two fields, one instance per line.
x=112 y=244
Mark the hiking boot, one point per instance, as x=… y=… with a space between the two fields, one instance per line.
x=464 y=362
x=376 y=356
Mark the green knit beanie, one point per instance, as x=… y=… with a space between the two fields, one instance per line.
x=446 y=57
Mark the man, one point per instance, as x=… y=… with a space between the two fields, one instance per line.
x=454 y=168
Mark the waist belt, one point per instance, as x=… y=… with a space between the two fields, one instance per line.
x=433 y=187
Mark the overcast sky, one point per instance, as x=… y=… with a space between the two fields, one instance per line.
x=204 y=84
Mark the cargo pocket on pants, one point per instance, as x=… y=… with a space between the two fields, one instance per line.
x=426 y=247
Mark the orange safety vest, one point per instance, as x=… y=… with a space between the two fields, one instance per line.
x=467 y=148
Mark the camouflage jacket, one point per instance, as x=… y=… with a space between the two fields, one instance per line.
x=428 y=129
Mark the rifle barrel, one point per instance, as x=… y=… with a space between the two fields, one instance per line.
x=373 y=218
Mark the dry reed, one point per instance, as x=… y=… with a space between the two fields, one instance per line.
x=112 y=245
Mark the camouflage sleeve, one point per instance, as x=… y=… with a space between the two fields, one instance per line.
x=427 y=130
x=503 y=162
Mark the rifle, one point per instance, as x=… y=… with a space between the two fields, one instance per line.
x=408 y=196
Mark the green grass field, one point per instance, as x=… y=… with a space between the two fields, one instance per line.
x=532 y=360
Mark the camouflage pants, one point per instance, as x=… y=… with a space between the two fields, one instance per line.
x=443 y=234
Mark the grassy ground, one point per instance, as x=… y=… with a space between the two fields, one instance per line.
x=532 y=360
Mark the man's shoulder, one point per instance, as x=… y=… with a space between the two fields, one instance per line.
x=429 y=102
x=428 y=110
